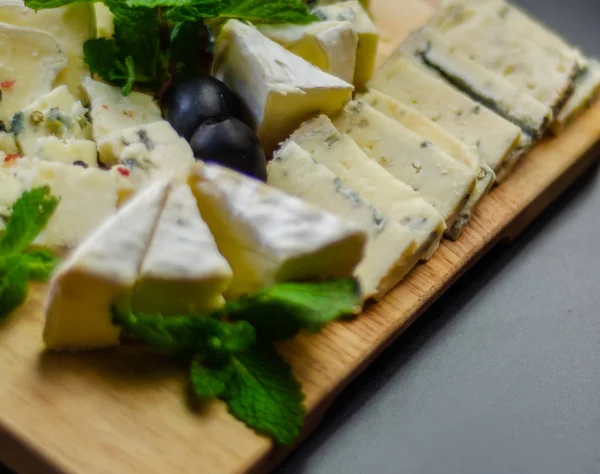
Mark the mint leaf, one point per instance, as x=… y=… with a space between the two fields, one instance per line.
x=42 y=4
x=269 y=11
x=13 y=284
x=281 y=310
x=104 y=58
x=40 y=264
x=185 y=47
x=203 y=8
x=209 y=382
x=30 y=214
x=264 y=394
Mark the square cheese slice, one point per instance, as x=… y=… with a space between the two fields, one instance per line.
x=279 y=88
x=268 y=236
x=344 y=158
x=437 y=177
x=183 y=271
x=390 y=252
x=100 y=274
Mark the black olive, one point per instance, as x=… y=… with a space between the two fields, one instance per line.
x=233 y=144
x=191 y=102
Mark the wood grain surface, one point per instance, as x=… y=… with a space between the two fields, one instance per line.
x=126 y=411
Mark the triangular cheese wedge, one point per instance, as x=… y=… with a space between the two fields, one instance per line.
x=101 y=273
x=183 y=270
x=269 y=236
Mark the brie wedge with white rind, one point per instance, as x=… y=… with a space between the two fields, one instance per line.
x=368 y=35
x=430 y=52
x=87 y=198
x=446 y=142
x=101 y=273
x=452 y=110
x=183 y=271
x=30 y=62
x=72 y=25
x=328 y=45
x=390 y=252
x=344 y=158
x=69 y=151
x=436 y=176
x=268 y=236
x=57 y=113
x=279 y=88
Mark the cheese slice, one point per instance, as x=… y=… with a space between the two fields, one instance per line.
x=429 y=51
x=587 y=87
x=69 y=151
x=105 y=21
x=390 y=251
x=344 y=158
x=268 y=236
x=279 y=88
x=368 y=35
x=100 y=274
x=446 y=142
x=87 y=198
x=455 y=112
x=328 y=45
x=31 y=60
x=72 y=25
x=488 y=33
x=440 y=179
x=183 y=271
x=524 y=145
x=8 y=144
x=57 y=113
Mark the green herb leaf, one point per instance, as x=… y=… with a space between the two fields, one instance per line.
x=185 y=47
x=203 y=8
x=209 y=382
x=40 y=264
x=264 y=394
x=42 y=4
x=279 y=311
x=103 y=58
x=30 y=214
x=269 y=11
x=13 y=284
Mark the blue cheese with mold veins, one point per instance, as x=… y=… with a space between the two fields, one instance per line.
x=437 y=177
x=268 y=236
x=279 y=88
x=390 y=252
x=344 y=158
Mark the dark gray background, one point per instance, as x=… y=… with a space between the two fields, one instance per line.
x=502 y=376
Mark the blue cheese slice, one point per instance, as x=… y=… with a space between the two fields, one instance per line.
x=452 y=110
x=390 y=252
x=440 y=179
x=100 y=274
x=344 y=158
x=69 y=151
x=31 y=61
x=183 y=271
x=445 y=141
x=268 y=236
x=328 y=45
x=279 y=88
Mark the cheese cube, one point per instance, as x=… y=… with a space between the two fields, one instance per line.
x=268 y=236
x=102 y=273
x=30 y=63
x=10 y=191
x=390 y=252
x=8 y=143
x=279 y=88
x=57 y=113
x=464 y=118
x=440 y=179
x=328 y=45
x=71 y=24
x=344 y=158
x=446 y=142
x=183 y=271
x=69 y=152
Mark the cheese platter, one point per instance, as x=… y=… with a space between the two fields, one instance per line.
x=380 y=153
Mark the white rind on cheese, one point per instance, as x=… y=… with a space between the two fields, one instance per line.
x=344 y=158
x=183 y=271
x=390 y=252
x=464 y=118
x=100 y=274
x=268 y=236
x=31 y=61
x=328 y=45
x=69 y=151
x=437 y=177
x=279 y=88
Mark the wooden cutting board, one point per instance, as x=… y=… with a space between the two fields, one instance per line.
x=124 y=411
